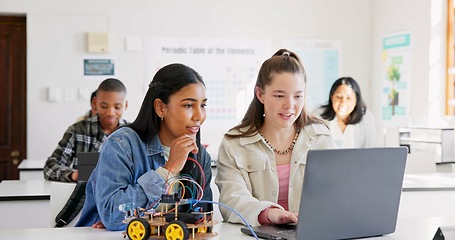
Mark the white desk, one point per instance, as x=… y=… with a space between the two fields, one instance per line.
x=12 y=190
x=224 y=230
x=39 y=201
x=428 y=195
x=25 y=204
x=86 y=233
x=30 y=200
x=31 y=169
x=429 y=182
x=417 y=228
x=427 y=204
x=407 y=229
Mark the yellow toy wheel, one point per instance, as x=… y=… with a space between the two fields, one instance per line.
x=138 y=229
x=206 y=229
x=176 y=230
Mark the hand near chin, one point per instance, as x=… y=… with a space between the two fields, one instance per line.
x=278 y=216
x=180 y=148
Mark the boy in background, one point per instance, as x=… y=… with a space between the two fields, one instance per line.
x=89 y=134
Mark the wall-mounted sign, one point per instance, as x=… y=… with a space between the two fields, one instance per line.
x=99 y=67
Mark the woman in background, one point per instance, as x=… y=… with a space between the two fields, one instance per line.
x=351 y=124
x=261 y=161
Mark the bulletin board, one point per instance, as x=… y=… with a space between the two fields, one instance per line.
x=229 y=68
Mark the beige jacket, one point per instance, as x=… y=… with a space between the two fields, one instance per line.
x=247 y=175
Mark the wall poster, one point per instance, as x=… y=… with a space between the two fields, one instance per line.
x=396 y=76
x=229 y=68
x=321 y=60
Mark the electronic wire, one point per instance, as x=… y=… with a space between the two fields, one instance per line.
x=198 y=198
x=238 y=214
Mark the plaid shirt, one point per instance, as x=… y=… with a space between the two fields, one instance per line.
x=83 y=136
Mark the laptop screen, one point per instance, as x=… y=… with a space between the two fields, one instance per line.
x=349 y=193
x=86 y=163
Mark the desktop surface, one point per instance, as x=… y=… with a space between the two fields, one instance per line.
x=12 y=190
x=407 y=229
x=31 y=169
x=31 y=164
x=429 y=182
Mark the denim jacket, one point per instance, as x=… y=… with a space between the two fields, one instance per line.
x=129 y=171
x=83 y=136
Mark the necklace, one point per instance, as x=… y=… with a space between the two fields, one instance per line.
x=290 y=148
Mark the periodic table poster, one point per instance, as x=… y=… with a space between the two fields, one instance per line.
x=229 y=68
x=321 y=60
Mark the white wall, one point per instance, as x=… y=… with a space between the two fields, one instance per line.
x=426 y=21
x=56 y=43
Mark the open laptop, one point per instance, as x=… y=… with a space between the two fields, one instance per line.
x=347 y=193
x=86 y=163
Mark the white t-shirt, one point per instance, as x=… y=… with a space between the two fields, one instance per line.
x=166 y=150
x=360 y=135
x=344 y=139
